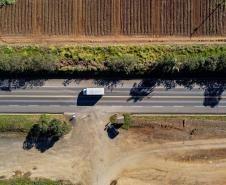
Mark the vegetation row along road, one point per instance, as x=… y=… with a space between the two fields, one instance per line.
x=113 y=61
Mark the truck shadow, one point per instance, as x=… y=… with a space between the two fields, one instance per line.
x=84 y=100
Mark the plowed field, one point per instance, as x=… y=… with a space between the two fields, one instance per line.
x=151 y=18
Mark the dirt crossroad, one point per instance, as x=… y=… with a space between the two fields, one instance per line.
x=88 y=157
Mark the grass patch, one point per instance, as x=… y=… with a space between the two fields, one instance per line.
x=179 y=117
x=24 y=181
x=21 y=123
x=127 y=121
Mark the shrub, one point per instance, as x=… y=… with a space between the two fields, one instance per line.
x=45 y=133
x=49 y=128
x=6 y=2
x=113 y=118
x=17 y=64
x=57 y=128
x=127 y=121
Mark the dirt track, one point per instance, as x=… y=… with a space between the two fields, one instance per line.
x=109 y=40
x=88 y=157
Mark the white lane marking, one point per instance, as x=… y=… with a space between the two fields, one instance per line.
x=157 y=106
x=120 y=97
x=204 y=106
x=177 y=106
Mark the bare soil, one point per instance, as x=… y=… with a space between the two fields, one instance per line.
x=109 y=40
x=149 y=154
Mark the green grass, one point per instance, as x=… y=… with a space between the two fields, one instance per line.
x=21 y=123
x=24 y=181
x=180 y=117
x=127 y=121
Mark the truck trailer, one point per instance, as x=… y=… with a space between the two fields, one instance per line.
x=93 y=91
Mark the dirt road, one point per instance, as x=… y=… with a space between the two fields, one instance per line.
x=109 y=40
x=88 y=157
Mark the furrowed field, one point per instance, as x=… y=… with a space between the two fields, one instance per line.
x=153 y=18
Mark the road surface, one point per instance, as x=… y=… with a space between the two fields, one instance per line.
x=57 y=97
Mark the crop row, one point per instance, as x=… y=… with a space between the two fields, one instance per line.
x=114 y=17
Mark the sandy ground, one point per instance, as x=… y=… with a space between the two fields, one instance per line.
x=88 y=157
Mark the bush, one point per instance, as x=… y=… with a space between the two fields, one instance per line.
x=45 y=133
x=49 y=128
x=113 y=118
x=17 y=64
x=124 y=65
x=127 y=121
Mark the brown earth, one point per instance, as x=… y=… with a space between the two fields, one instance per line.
x=153 y=18
x=109 y=40
x=155 y=154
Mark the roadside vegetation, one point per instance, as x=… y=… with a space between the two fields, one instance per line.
x=6 y=2
x=113 y=61
x=131 y=120
x=23 y=123
x=113 y=118
x=25 y=181
x=178 y=117
x=127 y=121
x=45 y=133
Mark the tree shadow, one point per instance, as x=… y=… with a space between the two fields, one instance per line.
x=41 y=142
x=143 y=89
x=213 y=93
x=212 y=89
x=85 y=100
x=108 y=83
x=13 y=84
x=67 y=82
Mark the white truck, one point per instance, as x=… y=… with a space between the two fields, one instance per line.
x=93 y=91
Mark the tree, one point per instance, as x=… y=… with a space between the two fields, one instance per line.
x=6 y=2
x=57 y=128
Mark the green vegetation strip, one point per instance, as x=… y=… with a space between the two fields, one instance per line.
x=24 y=181
x=130 y=119
x=179 y=117
x=114 y=61
x=6 y=2
x=22 y=123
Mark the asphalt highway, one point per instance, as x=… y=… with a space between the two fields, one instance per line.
x=59 y=99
